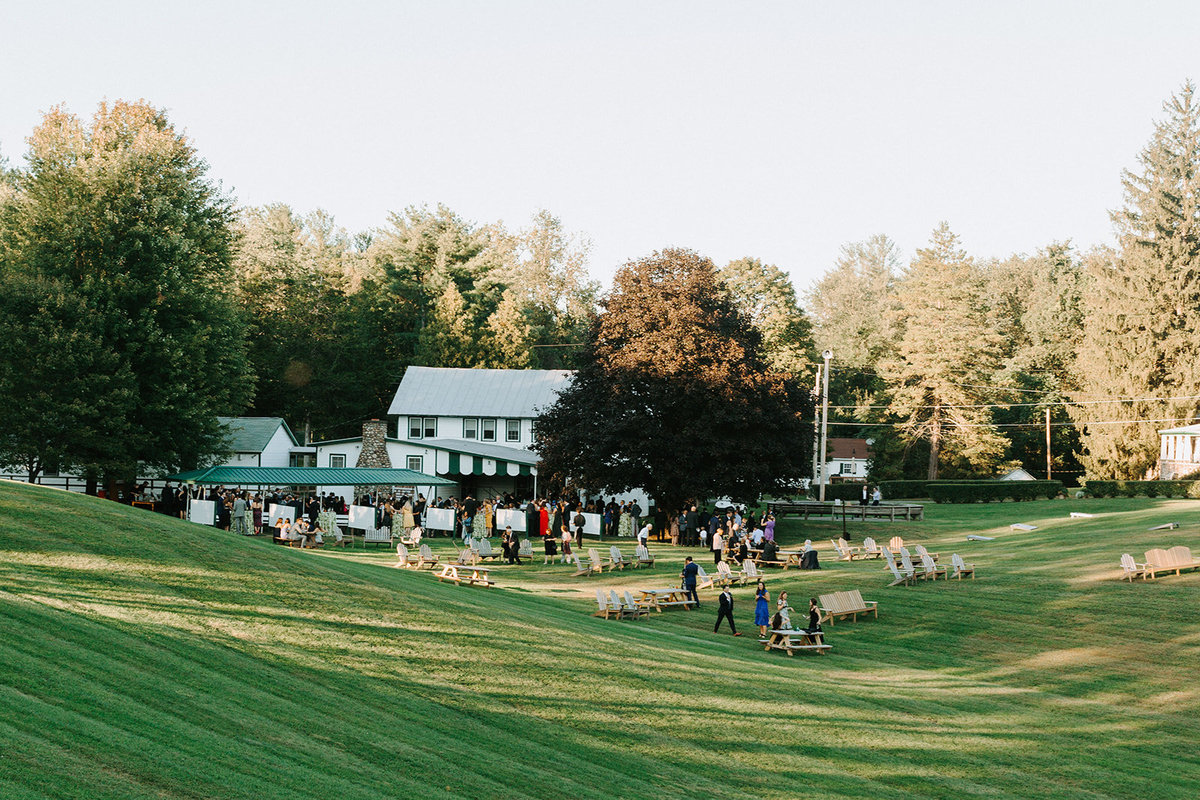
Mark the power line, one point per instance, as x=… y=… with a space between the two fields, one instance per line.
x=1039 y=425
x=1038 y=405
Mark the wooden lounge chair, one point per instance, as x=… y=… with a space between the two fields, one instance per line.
x=595 y=560
x=904 y=577
x=526 y=549
x=631 y=603
x=921 y=551
x=726 y=576
x=427 y=560
x=402 y=555
x=581 y=570
x=844 y=551
x=870 y=549
x=468 y=556
x=931 y=570
x=962 y=568
x=1130 y=569
x=750 y=571
x=615 y=559
x=484 y=549
x=703 y=579
x=845 y=604
x=626 y=609
x=896 y=543
x=644 y=558
x=906 y=564
x=606 y=609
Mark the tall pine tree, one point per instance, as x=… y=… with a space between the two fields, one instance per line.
x=1142 y=309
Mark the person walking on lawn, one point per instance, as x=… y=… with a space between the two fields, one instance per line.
x=725 y=611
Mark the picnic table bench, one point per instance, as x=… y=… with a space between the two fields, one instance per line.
x=460 y=572
x=812 y=642
x=815 y=508
x=658 y=599
x=846 y=604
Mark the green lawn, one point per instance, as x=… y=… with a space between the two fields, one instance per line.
x=146 y=657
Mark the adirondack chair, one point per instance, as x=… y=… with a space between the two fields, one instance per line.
x=921 y=551
x=931 y=570
x=727 y=577
x=1130 y=569
x=750 y=571
x=427 y=559
x=962 y=568
x=627 y=609
x=526 y=549
x=594 y=558
x=703 y=579
x=485 y=551
x=644 y=559
x=467 y=556
x=606 y=608
x=896 y=543
x=906 y=564
x=631 y=603
x=905 y=577
x=870 y=549
x=581 y=569
x=1181 y=557
x=402 y=555
x=843 y=550
x=615 y=559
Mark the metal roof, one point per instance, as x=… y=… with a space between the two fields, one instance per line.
x=310 y=476
x=482 y=449
x=252 y=434
x=447 y=392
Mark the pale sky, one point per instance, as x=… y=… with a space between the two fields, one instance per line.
x=780 y=130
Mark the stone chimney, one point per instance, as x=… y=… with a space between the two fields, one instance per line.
x=374 y=454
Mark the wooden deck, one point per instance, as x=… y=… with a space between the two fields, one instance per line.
x=815 y=508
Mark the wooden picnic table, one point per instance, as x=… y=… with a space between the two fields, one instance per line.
x=143 y=504
x=658 y=598
x=461 y=572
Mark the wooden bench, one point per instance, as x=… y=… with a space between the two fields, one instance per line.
x=846 y=604
x=459 y=573
x=892 y=512
x=1175 y=560
x=658 y=599
x=812 y=642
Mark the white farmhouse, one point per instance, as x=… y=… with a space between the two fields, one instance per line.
x=473 y=426
x=1179 y=452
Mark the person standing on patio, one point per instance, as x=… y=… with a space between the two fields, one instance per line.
x=725 y=611
x=239 y=515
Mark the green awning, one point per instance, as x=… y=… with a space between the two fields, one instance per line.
x=309 y=476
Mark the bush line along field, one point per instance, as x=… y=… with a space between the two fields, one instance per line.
x=147 y=657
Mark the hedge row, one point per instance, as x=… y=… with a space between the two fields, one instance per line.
x=1147 y=488
x=980 y=492
x=904 y=489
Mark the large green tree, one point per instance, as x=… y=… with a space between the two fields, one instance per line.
x=1141 y=341
x=121 y=211
x=946 y=354
x=674 y=395
x=765 y=294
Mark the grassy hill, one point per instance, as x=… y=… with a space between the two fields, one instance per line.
x=146 y=657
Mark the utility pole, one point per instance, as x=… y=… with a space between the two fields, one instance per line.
x=1048 y=460
x=827 y=355
x=816 y=442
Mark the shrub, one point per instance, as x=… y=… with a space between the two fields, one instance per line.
x=1101 y=488
x=901 y=489
x=846 y=492
x=1139 y=488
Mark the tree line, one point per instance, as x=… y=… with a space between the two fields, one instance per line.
x=138 y=302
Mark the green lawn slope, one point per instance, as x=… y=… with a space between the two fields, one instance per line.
x=143 y=657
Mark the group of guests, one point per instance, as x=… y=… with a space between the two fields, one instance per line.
x=767 y=624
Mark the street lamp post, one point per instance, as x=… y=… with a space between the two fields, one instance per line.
x=822 y=477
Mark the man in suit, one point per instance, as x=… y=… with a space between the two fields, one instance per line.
x=692 y=523
x=725 y=611
x=690 y=570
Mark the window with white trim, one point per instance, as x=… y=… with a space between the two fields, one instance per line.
x=416 y=463
x=847 y=468
x=513 y=432
x=337 y=460
x=471 y=428
x=487 y=430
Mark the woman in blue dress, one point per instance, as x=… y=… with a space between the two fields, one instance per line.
x=762 y=616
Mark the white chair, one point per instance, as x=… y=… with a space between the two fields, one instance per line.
x=931 y=570
x=616 y=560
x=750 y=570
x=644 y=559
x=906 y=577
x=605 y=607
x=402 y=554
x=703 y=579
x=961 y=568
x=921 y=551
x=726 y=575
x=484 y=549
x=1131 y=568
